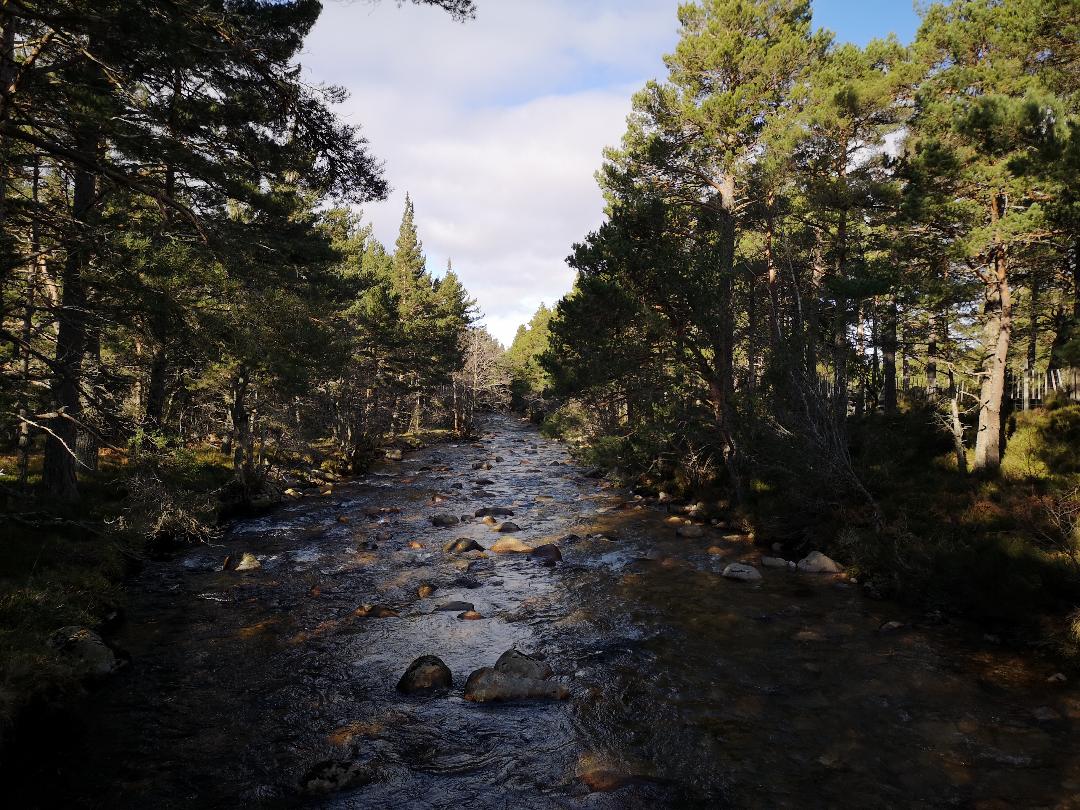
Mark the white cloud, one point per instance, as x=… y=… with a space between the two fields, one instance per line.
x=495 y=127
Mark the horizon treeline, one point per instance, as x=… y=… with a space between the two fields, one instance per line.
x=801 y=231
x=181 y=257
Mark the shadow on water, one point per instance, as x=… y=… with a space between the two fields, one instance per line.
x=687 y=689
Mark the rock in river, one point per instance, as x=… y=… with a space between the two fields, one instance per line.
x=548 y=552
x=494 y=511
x=456 y=606
x=461 y=545
x=489 y=684
x=774 y=562
x=508 y=526
x=427 y=672
x=332 y=776
x=86 y=649
x=817 y=563
x=248 y=562
x=444 y=520
x=521 y=665
x=510 y=545
x=375 y=612
x=742 y=572
x=690 y=531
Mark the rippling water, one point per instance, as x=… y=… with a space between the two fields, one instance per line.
x=687 y=690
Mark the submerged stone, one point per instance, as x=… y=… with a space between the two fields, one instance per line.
x=742 y=572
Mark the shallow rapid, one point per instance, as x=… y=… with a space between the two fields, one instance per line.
x=687 y=689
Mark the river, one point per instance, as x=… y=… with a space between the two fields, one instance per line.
x=687 y=689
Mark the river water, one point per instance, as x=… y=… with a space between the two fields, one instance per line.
x=687 y=689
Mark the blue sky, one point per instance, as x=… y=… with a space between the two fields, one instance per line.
x=860 y=21
x=496 y=126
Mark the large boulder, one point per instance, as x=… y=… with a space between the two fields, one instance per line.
x=817 y=563
x=86 y=650
x=427 y=673
x=742 y=572
x=489 y=684
x=516 y=663
x=510 y=545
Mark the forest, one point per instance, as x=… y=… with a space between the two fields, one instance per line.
x=840 y=286
x=833 y=307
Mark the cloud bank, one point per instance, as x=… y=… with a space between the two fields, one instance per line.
x=495 y=127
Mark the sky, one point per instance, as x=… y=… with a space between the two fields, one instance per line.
x=496 y=126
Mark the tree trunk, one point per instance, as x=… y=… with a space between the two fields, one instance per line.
x=8 y=71
x=58 y=471
x=773 y=279
x=722 y=386
x=813 y=306
x=1033 y=327
x=888 y=355
x=155 y=389
x=860 y=355
x=988 y=441
x=956 y=425
x=840 y=325
x=241 y=441
x=35 y=267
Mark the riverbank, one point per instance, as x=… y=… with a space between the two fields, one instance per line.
x=1001 y=550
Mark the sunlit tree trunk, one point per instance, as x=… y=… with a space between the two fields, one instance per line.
x=999 y=315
